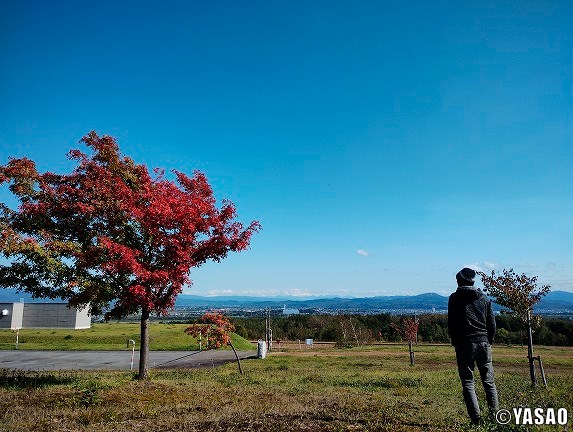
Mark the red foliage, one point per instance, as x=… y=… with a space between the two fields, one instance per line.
x=516 y=293
x=408 y=328
x=214 y=327
x=110 y=233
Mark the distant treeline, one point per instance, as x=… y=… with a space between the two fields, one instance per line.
x=363 y=329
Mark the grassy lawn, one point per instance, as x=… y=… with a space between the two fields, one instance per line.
x=321 y=389
x=107 y=336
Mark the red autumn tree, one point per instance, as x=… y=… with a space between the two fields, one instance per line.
x=408 y=329
x=110 y=235
x=216 y=328
x=517 y=294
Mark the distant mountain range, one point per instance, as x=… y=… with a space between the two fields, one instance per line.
x=8 y=295
x=421 y=301
x=555 y=301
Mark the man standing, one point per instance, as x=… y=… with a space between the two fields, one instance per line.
x=472 y=327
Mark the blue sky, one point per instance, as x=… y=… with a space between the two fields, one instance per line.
x=382 y=145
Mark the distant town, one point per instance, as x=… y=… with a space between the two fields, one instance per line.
x=556 y=303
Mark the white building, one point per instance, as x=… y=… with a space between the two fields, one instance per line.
x=43 y=315
x=290 y=311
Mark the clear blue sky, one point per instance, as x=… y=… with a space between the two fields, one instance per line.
x=382 y=145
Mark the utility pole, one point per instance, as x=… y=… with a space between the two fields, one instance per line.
x=268 y=330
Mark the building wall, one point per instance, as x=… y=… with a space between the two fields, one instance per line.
x=17 y=315
x=6 y=320
x=83 y=319
x=43 y=315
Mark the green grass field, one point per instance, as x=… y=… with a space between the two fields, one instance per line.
x=107 y=336
x=323 y=389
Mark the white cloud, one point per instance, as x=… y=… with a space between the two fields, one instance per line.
x=363 y=252
x=369 y=293
x=486 y=266
x=294 y=292
x=220 y=292
x=491 y=265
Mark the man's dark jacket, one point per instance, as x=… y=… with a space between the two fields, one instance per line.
x=470 y=316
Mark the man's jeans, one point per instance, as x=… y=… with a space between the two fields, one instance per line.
x=469 y=355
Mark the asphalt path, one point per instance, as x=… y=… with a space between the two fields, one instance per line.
x=114 y=360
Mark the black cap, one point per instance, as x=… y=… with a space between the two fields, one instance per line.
x=466 y=276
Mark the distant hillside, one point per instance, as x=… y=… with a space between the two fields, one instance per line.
x=421 y=301
x=9 y=295
x=556 y=301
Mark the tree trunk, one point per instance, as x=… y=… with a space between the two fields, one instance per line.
x=354 y=331
x=144 y=346
x=530 y=350
x=411 y=350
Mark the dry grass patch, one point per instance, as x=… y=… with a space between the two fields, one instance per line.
x=371 y=389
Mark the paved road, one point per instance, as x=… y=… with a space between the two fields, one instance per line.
x=113 y=360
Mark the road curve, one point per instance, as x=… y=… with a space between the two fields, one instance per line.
x=113 y=360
